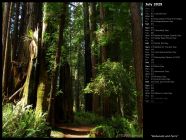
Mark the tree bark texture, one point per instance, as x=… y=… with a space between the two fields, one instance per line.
x=88 y=65
x=137 y=35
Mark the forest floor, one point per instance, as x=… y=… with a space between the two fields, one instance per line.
x=71 y=131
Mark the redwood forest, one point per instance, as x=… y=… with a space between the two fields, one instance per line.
x=72 y=69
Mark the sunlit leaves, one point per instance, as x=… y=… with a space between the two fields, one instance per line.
x=53 y=12
x=112 y=79
x=102 y=36
x=21 y=122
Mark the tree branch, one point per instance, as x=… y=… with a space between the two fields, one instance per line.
x=16 y=93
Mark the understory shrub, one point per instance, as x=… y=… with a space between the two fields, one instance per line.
x=102 y=131
x=87 y=118
x=22 y=122
x=114 y=81
x=122 y=126
x=116 y=127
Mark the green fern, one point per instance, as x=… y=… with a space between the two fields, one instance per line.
x=25 y=122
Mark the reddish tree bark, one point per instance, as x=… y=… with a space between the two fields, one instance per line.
x=137 y=36
x=88 y=65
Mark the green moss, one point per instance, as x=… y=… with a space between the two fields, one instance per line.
x=40 y=98
x=25 y=98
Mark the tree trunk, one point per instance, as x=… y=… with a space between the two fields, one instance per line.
x=11 y=84
x=96 y=98
x=34 y=24
x=15 y=36
x=103 y=48
x=51 y=117
x=9 y=53
x=106 y=104
x=88 y=66
x=77 y=81
x=19 y=63
x=6 y=45
x=41 y=81
x=23 y=22
x=26 y=95
x=137 y=34
x=29 y=91
x=64 y=101
x=6 y=12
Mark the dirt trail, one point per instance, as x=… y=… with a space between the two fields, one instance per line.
x=71 y=131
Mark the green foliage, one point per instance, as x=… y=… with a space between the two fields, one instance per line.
x=51 y=36
x=22 y=122
x=59 y=92
x=118 y=21
x=30 y=33
x=102 y=131
x=50 y=41
x=107 y=128
x=29 y=36
x=116 y=127
x=102 y=37
x=122 y=126
x=53 y=12
x=87 y=118
x=112 y=79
